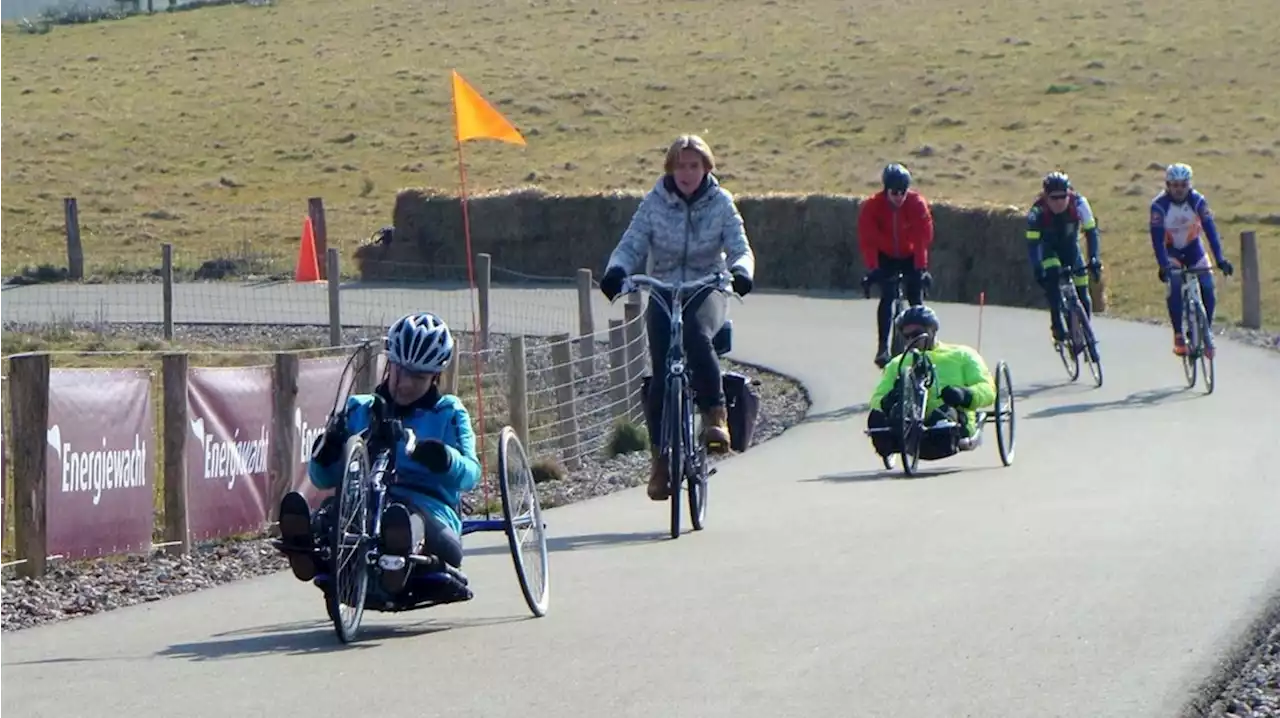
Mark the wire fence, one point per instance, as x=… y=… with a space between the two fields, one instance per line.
x=553 y=358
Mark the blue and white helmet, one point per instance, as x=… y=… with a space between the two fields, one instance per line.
x=1178 y=172
x=420 y=342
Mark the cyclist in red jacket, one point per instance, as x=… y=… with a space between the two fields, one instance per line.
x=895 y=229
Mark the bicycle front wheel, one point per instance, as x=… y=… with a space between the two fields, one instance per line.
x=1206 y=361
x=675 y=421
x=1191 y=335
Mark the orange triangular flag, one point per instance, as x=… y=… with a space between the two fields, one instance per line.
x=476 y=118
x=308 y=268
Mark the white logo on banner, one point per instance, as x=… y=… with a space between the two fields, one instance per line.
x=307 y=435
x=99 y=470
x=229 y=458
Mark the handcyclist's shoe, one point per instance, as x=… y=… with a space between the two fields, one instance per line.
x=1179 y=345
x=397 y=540
x=659 y=480
x=715 y=432
x=295 y=535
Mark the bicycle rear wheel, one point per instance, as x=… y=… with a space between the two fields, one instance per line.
x=1206 y=361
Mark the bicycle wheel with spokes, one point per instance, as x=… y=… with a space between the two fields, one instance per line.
x=526 y=532
x=696 y=478
x=1089 y=342
x=1202 y=349
x=675 y=416
x=350 y=575
x=1004 y=415
x=1192 y=338
x=912 y=424
x=1067 y=349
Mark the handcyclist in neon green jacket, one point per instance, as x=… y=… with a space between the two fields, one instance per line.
x=963 y=385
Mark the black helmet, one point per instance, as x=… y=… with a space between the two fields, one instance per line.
x=921 y=316
x=895 y=176
x=1056 y=181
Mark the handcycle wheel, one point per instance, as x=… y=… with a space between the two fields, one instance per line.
x=674 y=424
x=350 y=576
x=1004 y=414
x=697 y=481
x=522 y=510
x=1202 y=349
x=912 y=422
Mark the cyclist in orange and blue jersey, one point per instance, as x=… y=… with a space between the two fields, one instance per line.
x=1178 y=215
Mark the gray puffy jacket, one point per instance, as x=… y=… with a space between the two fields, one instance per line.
x=687 y=241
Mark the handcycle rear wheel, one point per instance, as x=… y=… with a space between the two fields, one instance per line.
x=522 y=510
x=1005 y=420
x=349 y=583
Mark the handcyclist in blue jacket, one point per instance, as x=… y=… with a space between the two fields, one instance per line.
x=423 y=510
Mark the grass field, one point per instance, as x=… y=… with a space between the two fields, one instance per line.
x=210 y=129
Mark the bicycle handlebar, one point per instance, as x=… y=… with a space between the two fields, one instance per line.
x=897 y=277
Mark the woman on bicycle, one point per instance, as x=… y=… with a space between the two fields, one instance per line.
x=422 y=513
x=690 y=227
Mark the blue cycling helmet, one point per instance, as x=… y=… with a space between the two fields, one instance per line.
x=420 y=342
x=1178 y=172
x=896 y=177
x=921 y=316
x=1056 y=181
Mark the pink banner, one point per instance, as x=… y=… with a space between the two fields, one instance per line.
x=101 y=465
x=320 y=384
x=228 y=450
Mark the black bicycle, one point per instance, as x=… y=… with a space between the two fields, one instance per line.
x=685 y=456
x=1195 y=327
x=1080 y=337
x=897 y=343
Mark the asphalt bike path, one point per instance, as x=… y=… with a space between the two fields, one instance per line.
x=1105 y=573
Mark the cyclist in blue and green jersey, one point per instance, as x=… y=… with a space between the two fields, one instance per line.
x=1053 y=245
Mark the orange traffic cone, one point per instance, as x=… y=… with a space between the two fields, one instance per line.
x=308 y=269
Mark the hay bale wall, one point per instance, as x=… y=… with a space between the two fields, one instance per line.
x=801 y=241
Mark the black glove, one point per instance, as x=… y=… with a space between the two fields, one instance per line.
x=1163 y=273
x=433 y=455
x=926 y=279
x=742 y=283
x=1095 y=268
x=1226 y=267
x=327 y=448
x=956 y=396
x=611 y=282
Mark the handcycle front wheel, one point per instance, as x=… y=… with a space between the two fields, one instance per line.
x=1004 y=417
x=349 y=582
x=521 y=510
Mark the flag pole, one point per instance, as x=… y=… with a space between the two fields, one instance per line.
x=475 y=329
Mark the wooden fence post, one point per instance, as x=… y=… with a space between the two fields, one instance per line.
x=586 y=326
x=518 y=389
x=284 y=441
x=166 y=278
x=484 y=280
x=618 y=369
x=315 y=210
x=335 y=308
x=176 y=526
x=29 y=406
x=75 y=251
x=1250 y=281
x=566 y=402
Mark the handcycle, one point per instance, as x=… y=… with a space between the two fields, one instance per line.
x=1080 y=337
x=1195 y=326
x=916 y=375
x=685 y=456
x=350 y=551
x=899 y=306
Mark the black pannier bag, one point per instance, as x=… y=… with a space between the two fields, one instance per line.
x=741 y=400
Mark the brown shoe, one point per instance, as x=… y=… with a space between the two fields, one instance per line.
x=659 y=481
x=715 y=430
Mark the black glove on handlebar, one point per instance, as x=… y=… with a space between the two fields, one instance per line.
x=433 y=455
x=742 y=283
x=327 y=448
x=956 y=396
x=611 y=282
